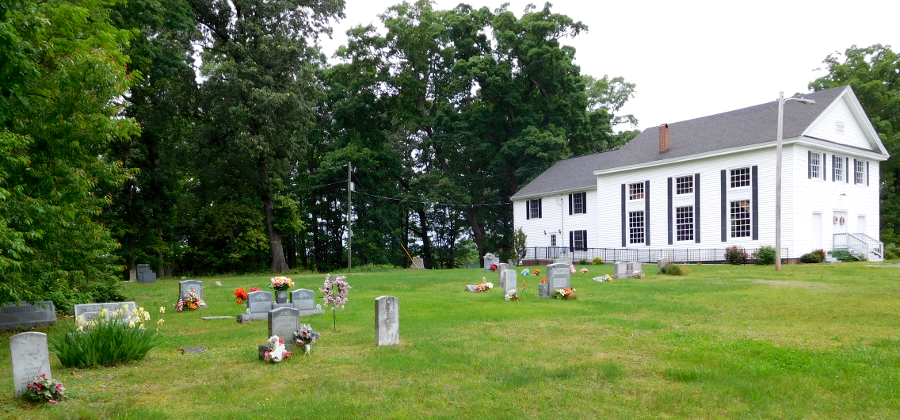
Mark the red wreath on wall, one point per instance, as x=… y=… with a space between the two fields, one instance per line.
x=842 y=220
x=835 y=220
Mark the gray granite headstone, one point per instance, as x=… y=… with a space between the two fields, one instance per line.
x=417 y=264
x=501 y=273
x=188 y=285
x=283 y=322
x=558 y=276
x=30 y=358
x=661 y=264
x=90 y=310
x=511 y=281
x=303 y=299
x=544 y=290
x=387 y=321
x=510 y=263
x=27 y=315
x=145 y=274
x=472 y=288
x=621 y=270
x=194 y=350
x=632 y=268
x=259 y=301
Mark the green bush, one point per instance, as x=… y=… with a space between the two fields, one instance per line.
x=104 y=342
x=891 y=252
x=812 y=258
x=597 y=261
x=673 y=269
x=582 y=262
x=843 y=256
x=820 y=253
x=765 y=255
x=735 y=255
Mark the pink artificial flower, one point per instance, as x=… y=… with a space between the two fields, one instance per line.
x=287 y=354
x=53 y=401
x=280 y=341
x=43 y=375
x=267 y=356
x=58 y=387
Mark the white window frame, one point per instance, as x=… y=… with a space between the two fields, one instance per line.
x=636 y=191
x=815 y=165
x=578 y=203
x=740 y=227
x=837 y=169
x=859 y=173
x=740 y=176
x=684 y=223
x=637 y=230
x=684 y=185
x=578 y=240
x=535 y=208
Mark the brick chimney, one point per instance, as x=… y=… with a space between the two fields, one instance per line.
x=663 y=138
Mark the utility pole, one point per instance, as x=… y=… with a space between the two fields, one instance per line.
x=349 y=228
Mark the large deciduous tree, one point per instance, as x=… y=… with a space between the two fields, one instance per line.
x=61 y=74
x=874 y=74
x=259 y=97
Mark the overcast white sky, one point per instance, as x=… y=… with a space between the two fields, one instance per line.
x=695 y=58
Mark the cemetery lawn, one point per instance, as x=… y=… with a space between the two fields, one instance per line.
x=813 y=342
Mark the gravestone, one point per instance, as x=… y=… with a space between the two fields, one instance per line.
x=510 y=263
x=501 y=273
x=511 y=281
x=470 y=265
x=387 y=321
x=566 y=261
x=91 y=310
x=30 y=358
x=544 y=290
x=661 y=264
x=305 y=301
x=144 y=274
x=558 y=276
x=27 y=315
x=259 y=301
x=194 y=350
x=632 y=268
x=132 y=274
x=489 y=260
x=621 y=269
x=283 y=322
x=417 y=264
x=197 y=286
x=472 y=288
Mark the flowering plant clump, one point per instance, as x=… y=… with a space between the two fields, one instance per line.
x=240 y=295
x=44 y=389
x=583 y=271
x=109 y=338
x=537 y=272
x=335 y=291
x=544 y=280
x=484 y=287
x=511 y=295
x=735 y=255
x=276 y=352
x=281 y=283
x=305 y=337
x=254 y=289
x=564 y=293
x=191 y=300
x=525 y=272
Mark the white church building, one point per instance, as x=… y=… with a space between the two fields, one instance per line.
x=687 y=190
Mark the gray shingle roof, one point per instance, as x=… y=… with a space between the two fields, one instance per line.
x=741 y=127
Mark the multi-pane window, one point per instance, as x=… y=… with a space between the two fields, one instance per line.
x=636 y=191
x=578 y=203
x=815 y=164
x=684 y=223
x=534 y=208
x=838 y=166
x=860 y=171
x=636 y=227
x=740 y=177
x=579 y=239
x=684 y=185
x=740 y=218
x=552 y=240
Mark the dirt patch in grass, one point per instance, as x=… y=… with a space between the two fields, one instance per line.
x=790 y=283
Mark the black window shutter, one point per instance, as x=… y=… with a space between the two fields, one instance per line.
x=808 y=164
x=584 y=202
x=624 y=221
x=647 y=213
x=724 y=207
x=754 y=203
x=867 y=173
x=824 y=168
x=527 y=209
x=584 y=239
x=833 y=167
x=847 y=165
x=540 y=209
x=854 y=171
x=571 y=241
x=570 y=204
x=697 y=208
x=670 y=211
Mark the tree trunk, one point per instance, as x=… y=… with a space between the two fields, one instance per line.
x=477 y=235
x=427 y=258
x=279 y=265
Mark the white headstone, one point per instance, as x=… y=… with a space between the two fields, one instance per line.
x=283 y=322
x=558 y=276
x=30 y=358
x=501 y=273
x=259 y=301
x=621 y=270
x=661 y=264
x=511 y=281
x=633 y=267
x=387 y=321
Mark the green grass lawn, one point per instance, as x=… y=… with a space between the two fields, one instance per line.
x=812 y=342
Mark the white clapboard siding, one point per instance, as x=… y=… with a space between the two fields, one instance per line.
x=557 y=220
x=838 y=115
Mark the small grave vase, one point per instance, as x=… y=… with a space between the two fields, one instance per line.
x=281 y=296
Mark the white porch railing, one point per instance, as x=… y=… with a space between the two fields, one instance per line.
x=860 y=244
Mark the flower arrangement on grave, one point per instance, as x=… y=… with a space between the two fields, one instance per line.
x=191 y=300
x=583 y=271
x=240 y=295
x=525 y=272
x=305 y=337
x=494 y=266
x=276 y=352
x=564 y=293
x=511 y=295
x=281 y=283
x=111 y=338
x=335 y=294
x=44 y=389
x=254 y=289
x=537 y=272
x=544 y=280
